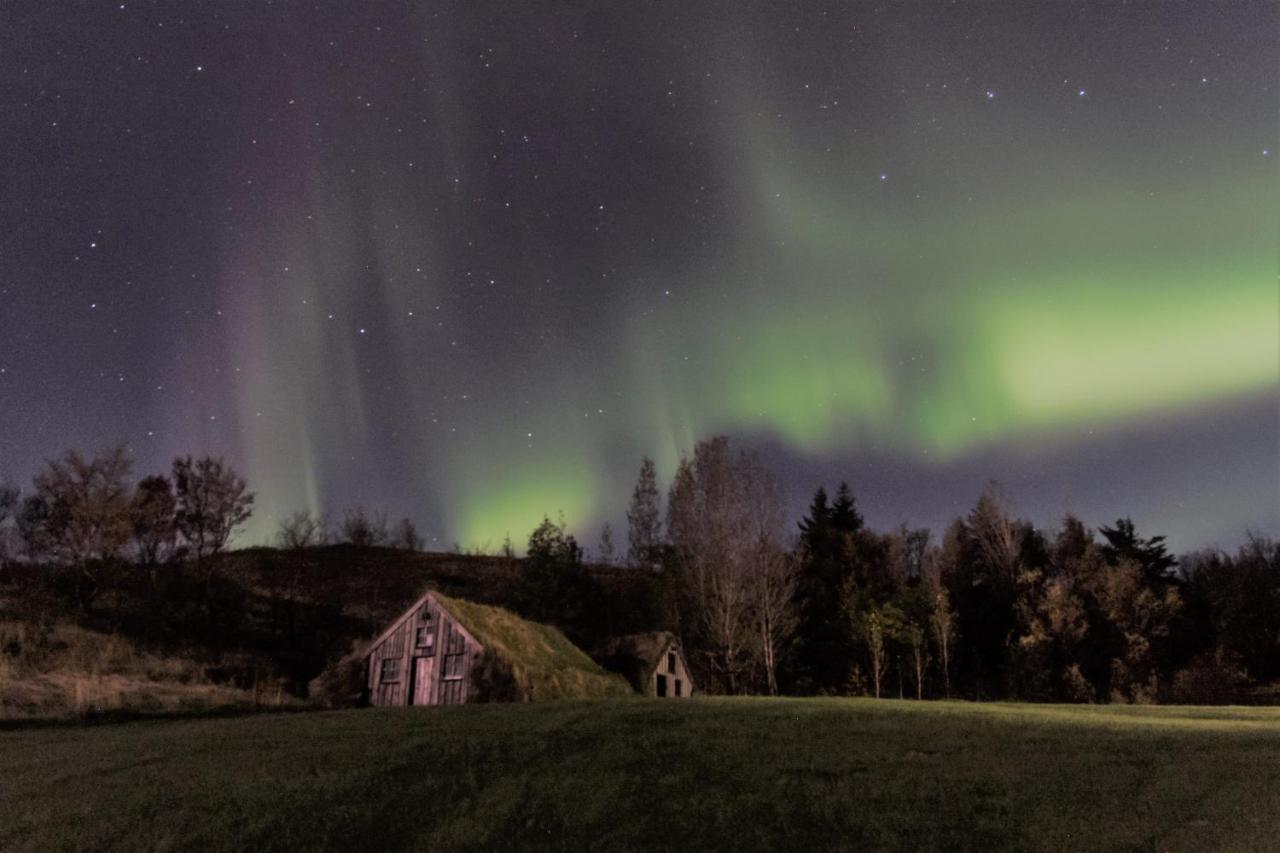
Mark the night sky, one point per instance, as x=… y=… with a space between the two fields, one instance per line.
x=470 y=262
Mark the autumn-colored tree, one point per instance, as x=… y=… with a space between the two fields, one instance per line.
x=83 y=519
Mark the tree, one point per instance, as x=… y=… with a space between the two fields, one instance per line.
x=879 y=626
x=406 y=536
x=554 y=579
x=845 y=517
x=300 y=530
x=1123 y=543
x=1140 y=617
x=79 y=514
x=153 y=517
x=212 y=501
x=771 y=570
x=9 y=503
x=364 y=529
x=605 y=551
x=724 y=522
x=942 y=622
x=644 y=521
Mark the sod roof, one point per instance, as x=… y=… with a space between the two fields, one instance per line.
x=546 y=666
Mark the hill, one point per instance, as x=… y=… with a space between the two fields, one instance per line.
x=636 y=774
x=255 y=629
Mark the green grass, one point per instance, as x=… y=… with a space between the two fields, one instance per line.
x=545 y=664
x=728 y=774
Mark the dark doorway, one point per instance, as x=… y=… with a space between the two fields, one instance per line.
x=662 y=686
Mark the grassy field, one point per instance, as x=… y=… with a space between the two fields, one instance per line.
x=729 y=774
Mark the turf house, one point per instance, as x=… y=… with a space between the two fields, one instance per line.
x=654 y=664
x=447 y=651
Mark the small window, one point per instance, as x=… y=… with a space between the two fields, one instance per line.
x=678 y=685
x=390 y=669
x=453 y=667
x=671 y=663
x=425 y=638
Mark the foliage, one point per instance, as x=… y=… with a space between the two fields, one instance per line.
x=342 y=683
x=211 y=502
x=644 y=519
x=78 y=515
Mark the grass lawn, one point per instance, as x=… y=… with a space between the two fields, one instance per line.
x=729 y=774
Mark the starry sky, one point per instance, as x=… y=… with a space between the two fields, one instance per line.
x=469 y=262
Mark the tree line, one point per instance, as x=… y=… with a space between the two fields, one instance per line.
x=996 y=608
x=84 y=513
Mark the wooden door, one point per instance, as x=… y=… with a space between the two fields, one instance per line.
x=423 y=672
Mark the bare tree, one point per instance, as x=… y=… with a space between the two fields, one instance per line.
x=725 y=523
x=84 y=514
x=300 y=530
x=774 y=593
x=406 y=536
x=706 y=525
x=364 y=529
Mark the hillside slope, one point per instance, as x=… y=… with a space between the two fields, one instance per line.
x=711 y=774
x=254 y=630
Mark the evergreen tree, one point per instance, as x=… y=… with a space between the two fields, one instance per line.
x=644 y=522
x=605 y=551
x=845 y=517
x=1123 y=543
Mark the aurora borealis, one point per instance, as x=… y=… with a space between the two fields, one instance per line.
x=469 y=263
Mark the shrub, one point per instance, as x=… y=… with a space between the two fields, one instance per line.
x=342 y=684
x=1213 y=678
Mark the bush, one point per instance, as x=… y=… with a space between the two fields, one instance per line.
x=1213 y=678
x=494 y=680
x=342 y=684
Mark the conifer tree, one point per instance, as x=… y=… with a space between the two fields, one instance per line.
x=644 y=522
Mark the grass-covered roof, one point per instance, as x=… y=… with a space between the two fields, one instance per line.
x=544 y=664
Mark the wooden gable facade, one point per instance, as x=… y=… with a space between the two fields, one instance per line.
x=670 y=674
x=424 y=658
x=653 y=663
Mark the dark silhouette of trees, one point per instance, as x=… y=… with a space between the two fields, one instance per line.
x=555 y=583
x=605 y=551
x=153 y=516
x=644 y=519
x=10 y=497
x=300 y=530
x=364 y=529
x=1150 y=555
x=212 y=501
x=406 y=536
x=828 y=549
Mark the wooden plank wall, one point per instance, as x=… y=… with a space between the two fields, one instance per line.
x=680 y=671
x=400 y=644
